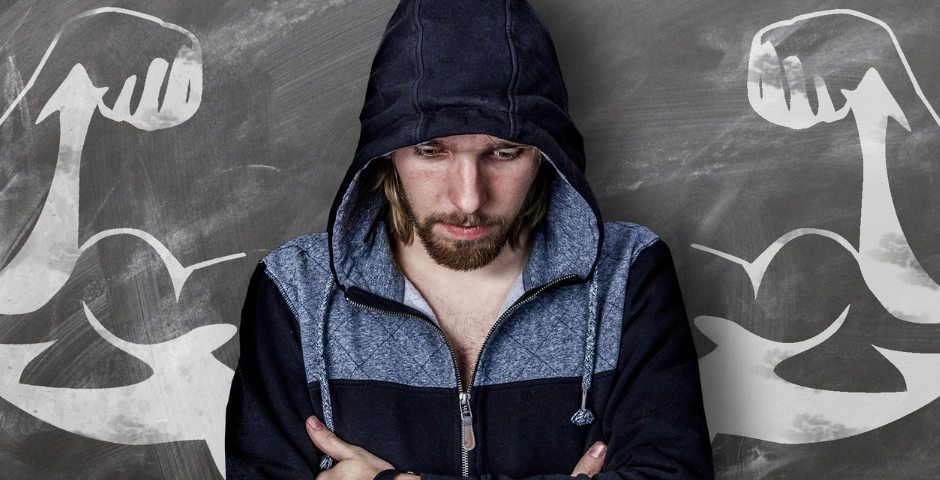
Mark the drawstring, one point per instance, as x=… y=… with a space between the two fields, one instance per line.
x=584 y=416
x=327 y=461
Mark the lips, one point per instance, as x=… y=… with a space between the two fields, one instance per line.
x=460 y=232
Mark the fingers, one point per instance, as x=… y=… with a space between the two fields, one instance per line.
x=153 y=83
x=327 y=441
x=592 y=461
x=122 y=106
x=184 y=86
x=180 y=100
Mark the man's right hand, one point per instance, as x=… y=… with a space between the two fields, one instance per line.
x=592 y=461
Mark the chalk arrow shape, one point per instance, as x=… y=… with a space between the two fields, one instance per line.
x=76 y=95
x=45 y=261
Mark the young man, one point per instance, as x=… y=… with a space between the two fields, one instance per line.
x=467 y=313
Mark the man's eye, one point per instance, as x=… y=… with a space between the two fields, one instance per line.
x=511 y=154
x=427 y=151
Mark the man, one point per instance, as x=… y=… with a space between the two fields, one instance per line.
x=467 y=313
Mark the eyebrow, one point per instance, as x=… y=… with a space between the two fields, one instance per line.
x=499 y=145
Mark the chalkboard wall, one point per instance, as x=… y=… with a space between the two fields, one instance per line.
x=802 y=213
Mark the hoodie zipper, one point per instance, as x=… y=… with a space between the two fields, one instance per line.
x=466 y=418
x=468 y=439
x=509 y=310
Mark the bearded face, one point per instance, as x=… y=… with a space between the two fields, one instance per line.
x=465 y=196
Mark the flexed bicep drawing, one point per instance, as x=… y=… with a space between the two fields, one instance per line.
x=184 y=397
x=45 y=261
x=743 y=394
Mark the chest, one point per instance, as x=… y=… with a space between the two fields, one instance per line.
x=466 y=326
x=542 y=337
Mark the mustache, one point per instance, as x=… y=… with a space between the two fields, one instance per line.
x=471 y=220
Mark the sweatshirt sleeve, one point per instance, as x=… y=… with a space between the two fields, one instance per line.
x=654 y=422
x=269 y=402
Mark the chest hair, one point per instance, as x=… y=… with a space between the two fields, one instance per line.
x=466 y=327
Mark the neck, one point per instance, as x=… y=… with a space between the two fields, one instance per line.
x=418 y=266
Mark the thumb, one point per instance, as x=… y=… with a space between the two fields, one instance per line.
x=327 y=441
x=592 y=461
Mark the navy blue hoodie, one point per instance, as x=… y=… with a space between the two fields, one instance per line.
x=597 y=348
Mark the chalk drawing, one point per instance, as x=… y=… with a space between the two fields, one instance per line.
x=743 y=396
x=185 y=397
x=178 y=273
x=46 y=260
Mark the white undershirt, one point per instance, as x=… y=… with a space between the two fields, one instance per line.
x=414 y=299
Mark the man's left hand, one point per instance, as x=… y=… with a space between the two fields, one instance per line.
x=353 y=463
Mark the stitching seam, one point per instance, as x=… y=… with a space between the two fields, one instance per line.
x=512 y=81
x=419 y=59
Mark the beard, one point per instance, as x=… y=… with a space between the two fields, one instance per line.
x=463 y=255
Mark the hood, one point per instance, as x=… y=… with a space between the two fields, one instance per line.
x=453 y=67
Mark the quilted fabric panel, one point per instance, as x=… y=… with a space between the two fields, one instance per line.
x=545 y=337
x=364 y=345
x=542 y=338
x=359 y=343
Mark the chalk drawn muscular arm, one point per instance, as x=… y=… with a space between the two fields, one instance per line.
x=903 y=288
x=46 y=260
x=185 y=397
x=743 y=394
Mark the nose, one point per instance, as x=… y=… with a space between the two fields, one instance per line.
x=467 y=185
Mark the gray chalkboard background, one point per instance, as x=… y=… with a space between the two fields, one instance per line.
x=659 y=90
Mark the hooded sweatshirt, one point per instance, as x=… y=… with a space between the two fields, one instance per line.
x=593 y=345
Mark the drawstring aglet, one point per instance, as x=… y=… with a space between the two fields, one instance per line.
x=583 y=416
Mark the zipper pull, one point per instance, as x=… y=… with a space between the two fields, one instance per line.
x=466 y=418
